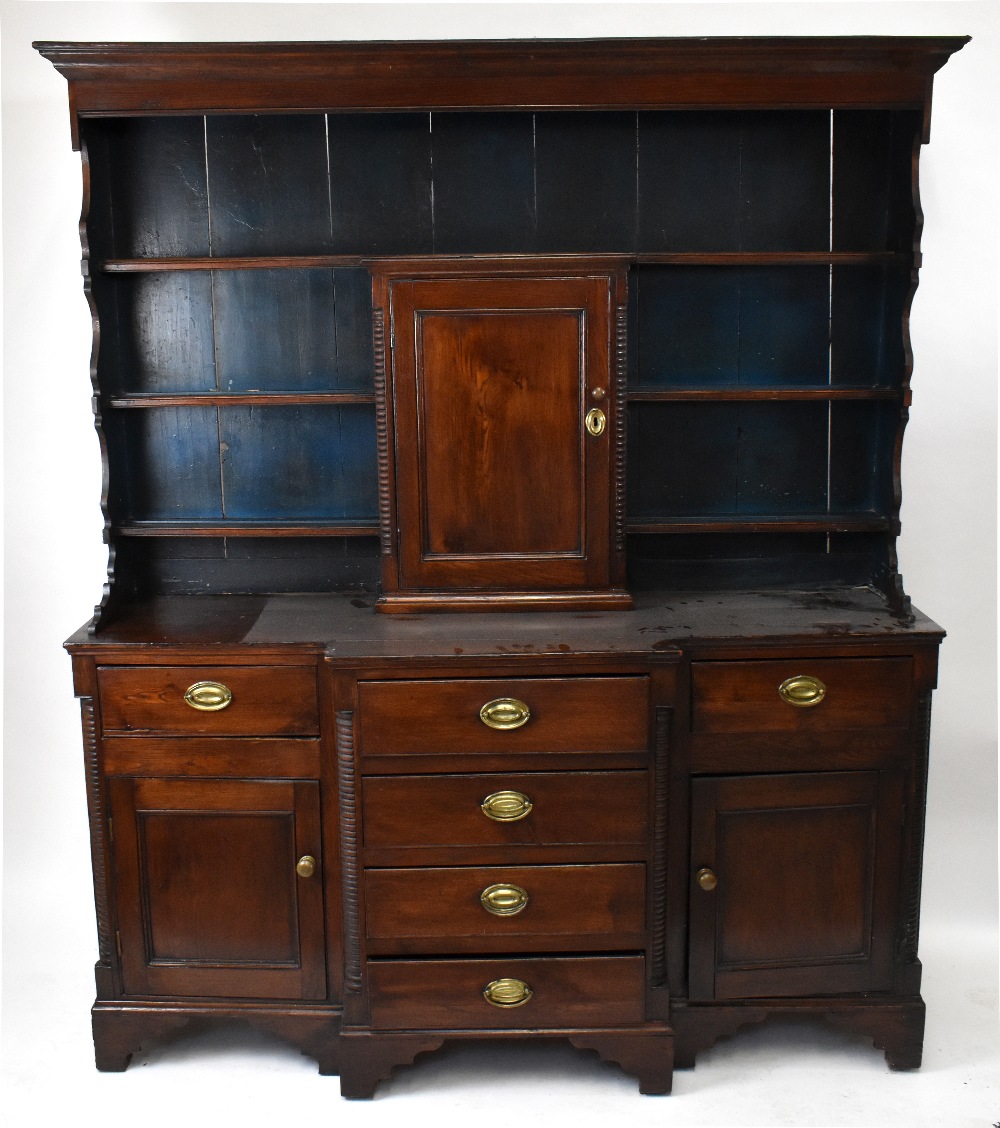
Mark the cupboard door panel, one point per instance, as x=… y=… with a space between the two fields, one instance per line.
x=805 y=868
x=209 y=901
x=498 y=485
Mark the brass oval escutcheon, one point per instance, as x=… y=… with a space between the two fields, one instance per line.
x=802 y=690
x=706 y=879
x=595 y=421
x=305 y=866
x=208 y=696
x=505 y=713
x=507 y=993
x=504 y=900
x=506 y=806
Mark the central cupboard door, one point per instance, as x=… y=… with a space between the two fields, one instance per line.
x=502 y=394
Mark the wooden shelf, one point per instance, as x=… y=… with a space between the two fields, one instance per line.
x=732 y=393
x=254 y=262
x=767 y=258
x=679 y=258
x=234 y=528
x=238 y=399
x=825 y=523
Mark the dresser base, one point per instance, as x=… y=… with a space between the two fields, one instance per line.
x=368 y=1057
x=896 y=1026
x=121 y=1028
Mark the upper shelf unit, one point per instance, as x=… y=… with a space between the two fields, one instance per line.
x=761 y=192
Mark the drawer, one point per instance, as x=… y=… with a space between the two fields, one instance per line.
x=853 y=693
x=263 y=700
x=559 y=715
x=533 y=993
x=534 y=908
x=546 y=808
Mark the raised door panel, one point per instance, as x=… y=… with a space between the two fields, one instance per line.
x=805 y=869
x=499 y=487
x=209 y=900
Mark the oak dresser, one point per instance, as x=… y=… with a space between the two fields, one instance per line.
x=503 y=635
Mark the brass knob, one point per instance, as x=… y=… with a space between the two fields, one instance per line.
x=803 y=690
x=305 y=866
x=208 y=696
x=595 y=421
x=506 y=806
x=706 y=879
x=504 y=900
x=507 y=993
x=505 y=713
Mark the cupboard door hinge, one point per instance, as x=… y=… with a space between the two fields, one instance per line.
x=118 y=943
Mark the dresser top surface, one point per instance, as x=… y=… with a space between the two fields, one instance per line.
x=346 y=625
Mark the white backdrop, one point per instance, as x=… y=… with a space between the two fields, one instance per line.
x=55 y=562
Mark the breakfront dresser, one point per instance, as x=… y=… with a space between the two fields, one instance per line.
x=503 y=636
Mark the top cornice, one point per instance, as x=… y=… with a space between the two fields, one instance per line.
x=109 y=79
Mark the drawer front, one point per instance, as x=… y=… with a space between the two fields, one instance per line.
x=538 y=993
x=442 y=909
x=562 y=715
x=852 y=693
x=544 y=808
x=263 y=700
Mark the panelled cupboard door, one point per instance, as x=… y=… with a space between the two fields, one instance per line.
x=499 y=484
x=794 y=881
x=214 y=891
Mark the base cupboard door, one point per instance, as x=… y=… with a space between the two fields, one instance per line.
x=218 y=887
x=794 y=884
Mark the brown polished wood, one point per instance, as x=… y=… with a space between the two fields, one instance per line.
x=496 y=369
x=563 y=808
x=441 y=910
x=449 y=994
x=800 y=897
x=591 y=714
x=745 y=696
x=266 y=700
x=209 y=901
x=334 y=347
x=107 y=79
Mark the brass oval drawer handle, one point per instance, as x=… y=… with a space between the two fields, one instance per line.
x=305 y=866
x=504 y=900
x=505 y=713
x=706 y=879
x=208 y=696
x=595 y=421
x=802 y=690
x=507 y=993
x=506 y=806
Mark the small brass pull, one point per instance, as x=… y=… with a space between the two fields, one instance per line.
x=595 y=421
x=504 y=900
x=507 y=993
x=208 y=696
x=707 y=879
x=506 y=806
x=505 y=713
x=305 y=866
x=803 y=690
